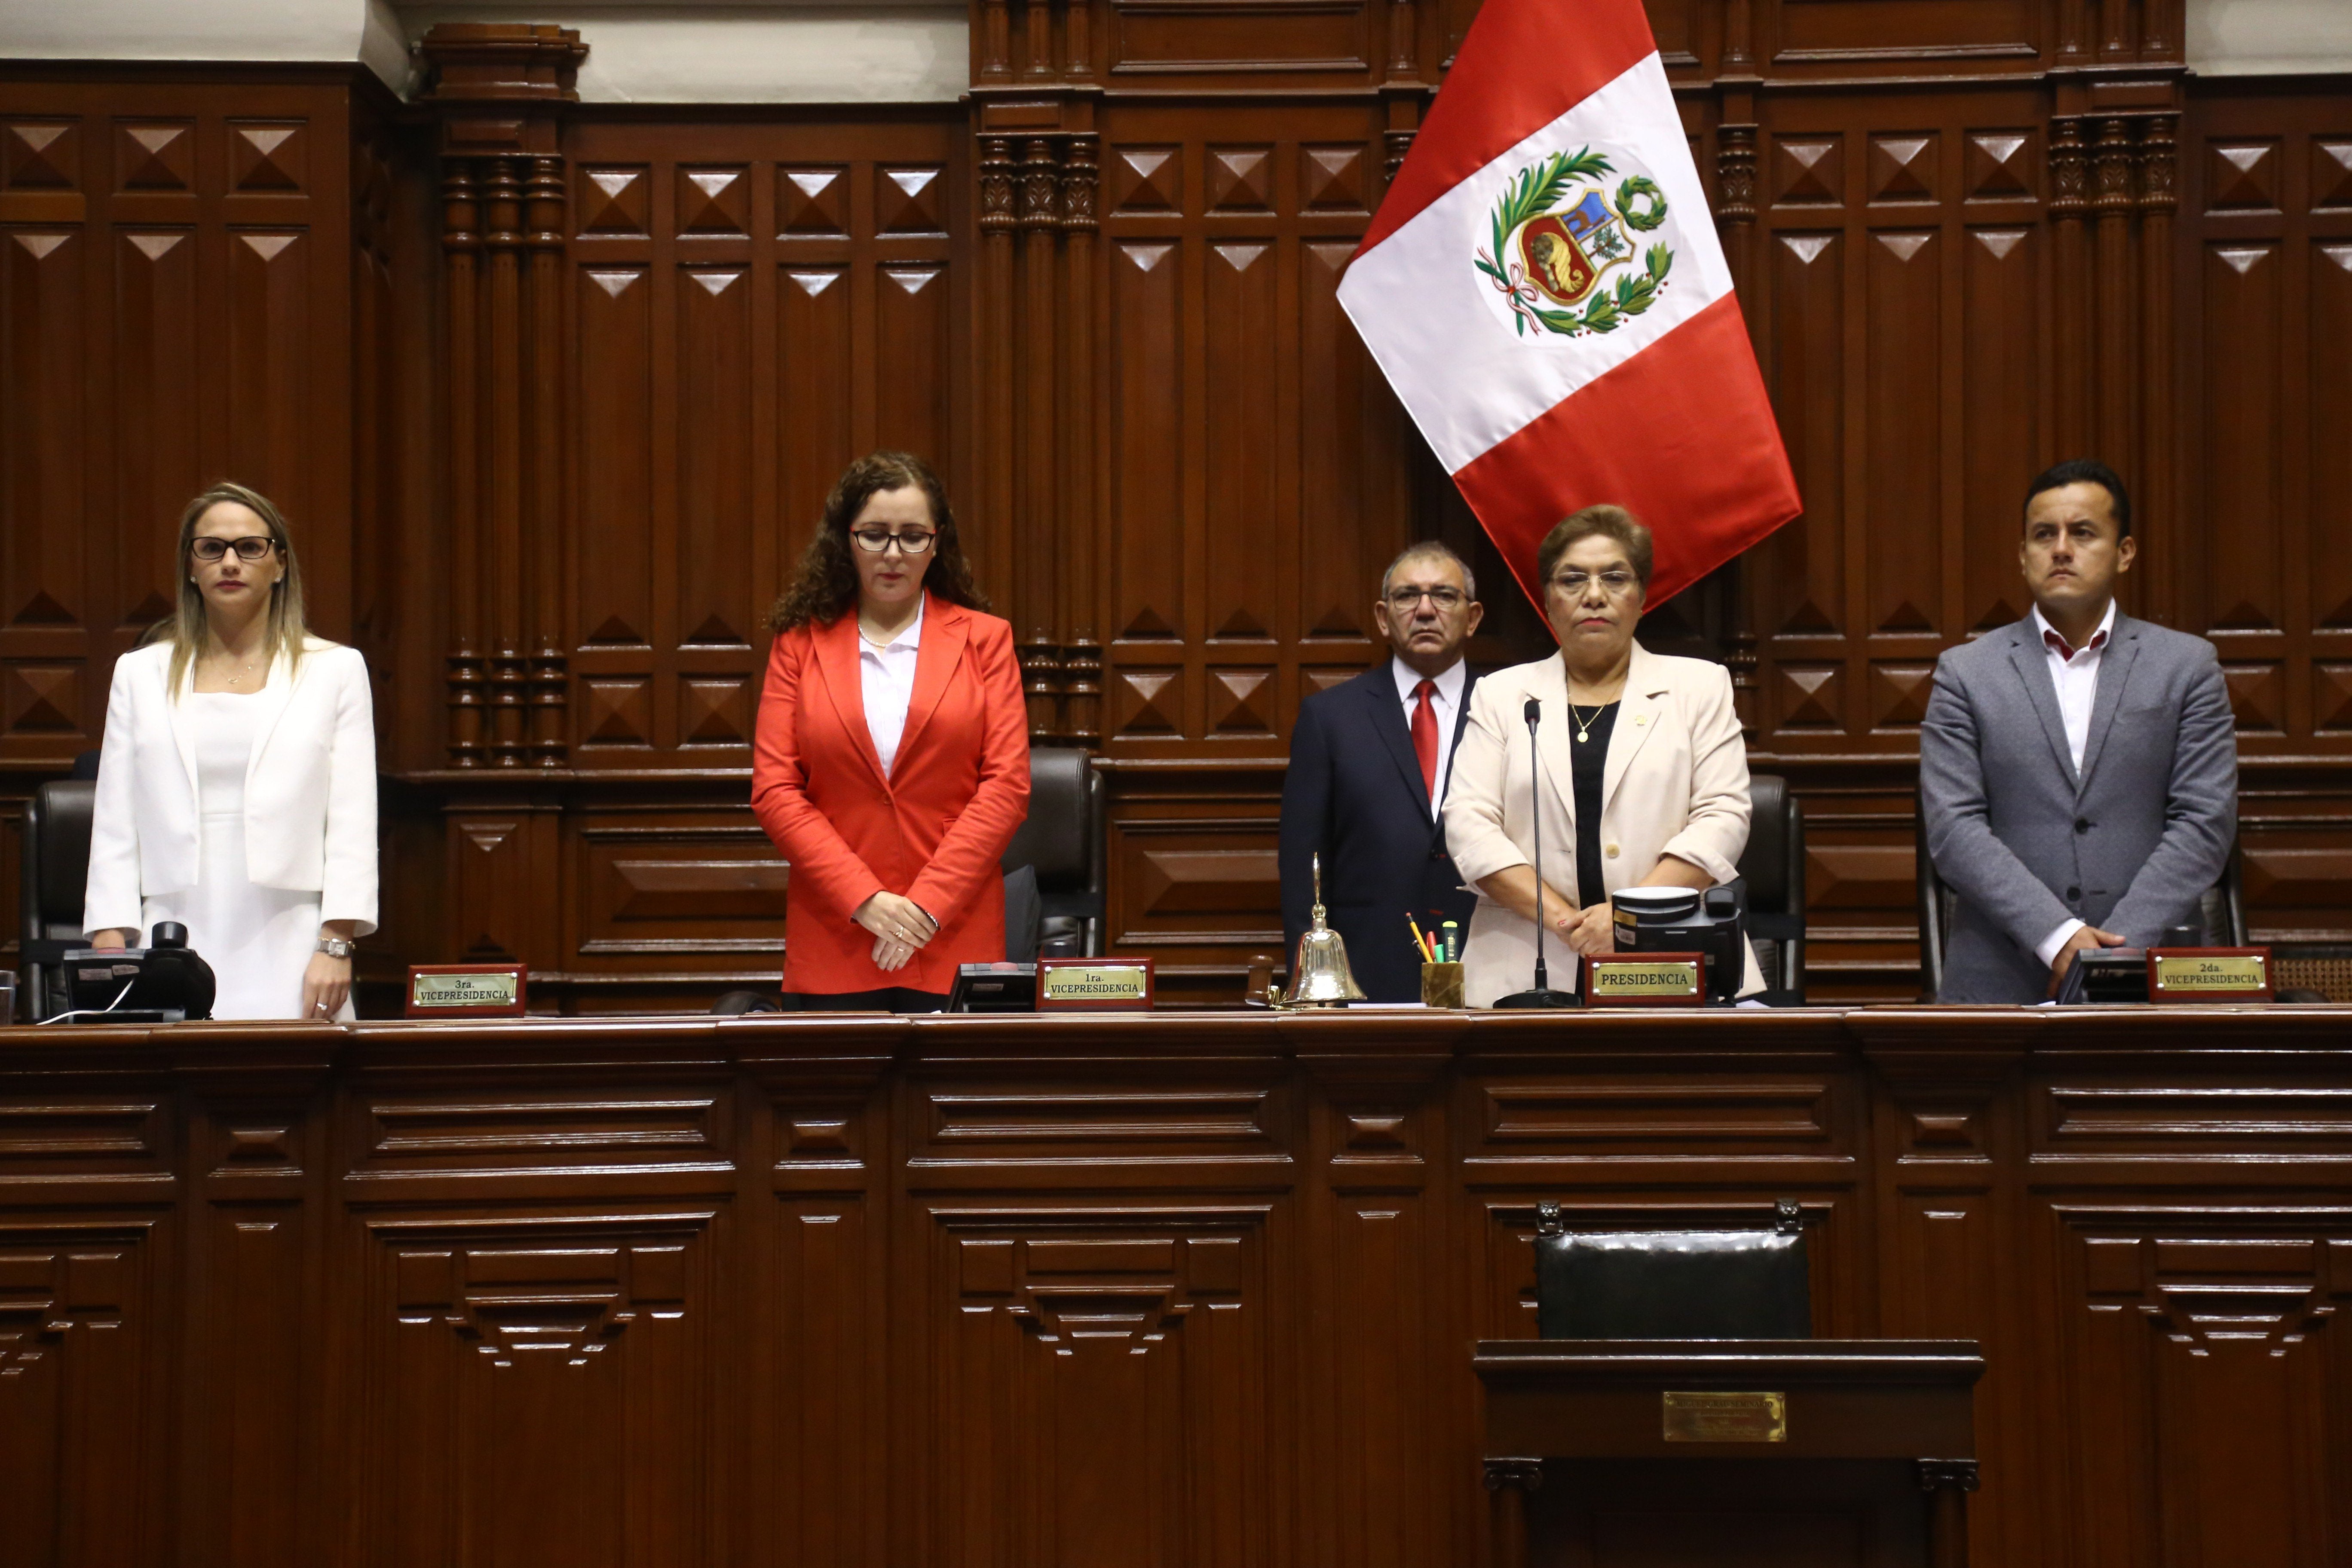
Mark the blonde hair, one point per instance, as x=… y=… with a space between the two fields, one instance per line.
x=187 y=628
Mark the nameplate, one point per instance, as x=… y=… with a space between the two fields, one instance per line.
x=1093 y=984
x=1727 y=1418
x=466 y=990
x=2208 y=974
x=1646 y=980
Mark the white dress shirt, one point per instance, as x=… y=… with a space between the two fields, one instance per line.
x=886 y=677
x=1445 y=703
x=2078 y=682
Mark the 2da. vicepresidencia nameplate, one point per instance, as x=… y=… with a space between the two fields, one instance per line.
x=1094 y=983
x=1646 y=980
x=2208 y=974
x=466 y=990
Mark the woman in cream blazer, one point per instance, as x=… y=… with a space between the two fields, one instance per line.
x=1673 y=786
x=236 y=789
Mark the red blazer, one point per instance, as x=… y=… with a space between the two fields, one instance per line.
x=933 y=830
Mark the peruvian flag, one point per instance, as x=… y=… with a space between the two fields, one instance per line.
x=1544 y=287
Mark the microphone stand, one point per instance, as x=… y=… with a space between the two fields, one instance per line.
x=1542 y=994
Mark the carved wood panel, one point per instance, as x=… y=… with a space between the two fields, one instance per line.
x=754 y=305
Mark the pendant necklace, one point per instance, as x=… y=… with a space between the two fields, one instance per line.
x=1583 y=724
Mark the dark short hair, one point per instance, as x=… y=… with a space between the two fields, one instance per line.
x=1612 y=522
x=2085 y=471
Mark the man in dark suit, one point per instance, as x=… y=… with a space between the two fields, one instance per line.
x=1369 y=760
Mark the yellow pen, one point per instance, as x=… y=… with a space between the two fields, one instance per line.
x=1419 y=941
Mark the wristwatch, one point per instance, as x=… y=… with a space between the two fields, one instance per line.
x=335 y=947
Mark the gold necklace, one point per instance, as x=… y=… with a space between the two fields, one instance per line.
x=1583 y=724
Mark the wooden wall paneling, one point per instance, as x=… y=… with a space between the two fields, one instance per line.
x=1385 y=1419
x=1192 y=872
x=253 y=1422
x=80 y=1326
x=827 y=1157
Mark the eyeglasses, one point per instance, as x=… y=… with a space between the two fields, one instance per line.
x=1575 y=582
x=252 y=547
x=910 y=540
x=1403 y=600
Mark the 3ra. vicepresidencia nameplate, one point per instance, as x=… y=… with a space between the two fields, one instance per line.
x=1646 y=980
x=1094 y=983
x=466 y=990
x=2208 y=974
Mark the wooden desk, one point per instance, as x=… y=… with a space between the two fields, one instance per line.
x=1867 y=1442
x=1170 y=1290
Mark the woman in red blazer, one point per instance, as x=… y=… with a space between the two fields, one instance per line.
x=891 y=764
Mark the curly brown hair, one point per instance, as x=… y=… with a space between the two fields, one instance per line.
x=825 y=587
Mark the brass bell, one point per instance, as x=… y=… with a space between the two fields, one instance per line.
x=1320 y=977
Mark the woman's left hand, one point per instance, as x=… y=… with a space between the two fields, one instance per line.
x=325 y=984
x=1595 y=930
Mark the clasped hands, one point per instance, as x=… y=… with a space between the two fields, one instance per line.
x=900 y=926
x=1590 y=929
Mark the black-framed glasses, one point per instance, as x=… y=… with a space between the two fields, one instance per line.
x=1401 y=601
x=252 y=547
x=909 y=540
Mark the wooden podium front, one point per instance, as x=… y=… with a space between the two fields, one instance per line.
x=1732 y=1453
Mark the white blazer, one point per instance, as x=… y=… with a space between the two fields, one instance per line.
x=1676 y=782
x=310 y=789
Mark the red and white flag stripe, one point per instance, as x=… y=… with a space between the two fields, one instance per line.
x=1545 y=382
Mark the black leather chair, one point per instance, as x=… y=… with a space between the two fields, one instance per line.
x=1673 y=1284
x=2221 y=912
x=1061 y=844
x=54 y=863
x=1773 y=866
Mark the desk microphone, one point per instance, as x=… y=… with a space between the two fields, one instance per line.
x=1542 y=995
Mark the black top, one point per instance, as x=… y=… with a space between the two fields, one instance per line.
x=1586 y=759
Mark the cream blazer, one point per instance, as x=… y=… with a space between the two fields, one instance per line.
x=1676 y=782
x=310 y=789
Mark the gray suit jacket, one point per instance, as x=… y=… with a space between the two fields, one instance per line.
x=2129 y=845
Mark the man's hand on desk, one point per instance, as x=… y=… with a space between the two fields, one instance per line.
x=2083 y=940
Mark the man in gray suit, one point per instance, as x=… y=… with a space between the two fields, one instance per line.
x=2078 y=769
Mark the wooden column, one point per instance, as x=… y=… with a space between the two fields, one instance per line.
x=2160 y=441
x=544 y=604
x=498 y=88
x=1036 y=624
x=1081 y=595
x=460 y=247
x=2115 y=278
x=2069 y=201
x=993 y=413
x=1725 y=601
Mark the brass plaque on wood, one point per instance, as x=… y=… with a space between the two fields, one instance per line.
x=1644 y=980
x=2203 y=973
x=1727 y=1418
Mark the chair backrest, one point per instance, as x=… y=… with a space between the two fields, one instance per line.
x=1773 y=866
x=55 y=859
x=2222 y=911
x=1062 y=842
x=1673 y=1284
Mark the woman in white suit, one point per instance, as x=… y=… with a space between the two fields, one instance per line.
x=236 y=787
x=1645 y=774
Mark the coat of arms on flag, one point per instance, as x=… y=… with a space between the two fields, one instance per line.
x=1544 y=287
x=1556 y=239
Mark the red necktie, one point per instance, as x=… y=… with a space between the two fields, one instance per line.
x=1425 y=735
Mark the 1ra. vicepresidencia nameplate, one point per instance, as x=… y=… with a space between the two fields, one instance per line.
x=1646 y=980
x=2208 y=974
x=1094 y=983
x=466 y=990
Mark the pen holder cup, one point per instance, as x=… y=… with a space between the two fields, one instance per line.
x=1440 y=986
